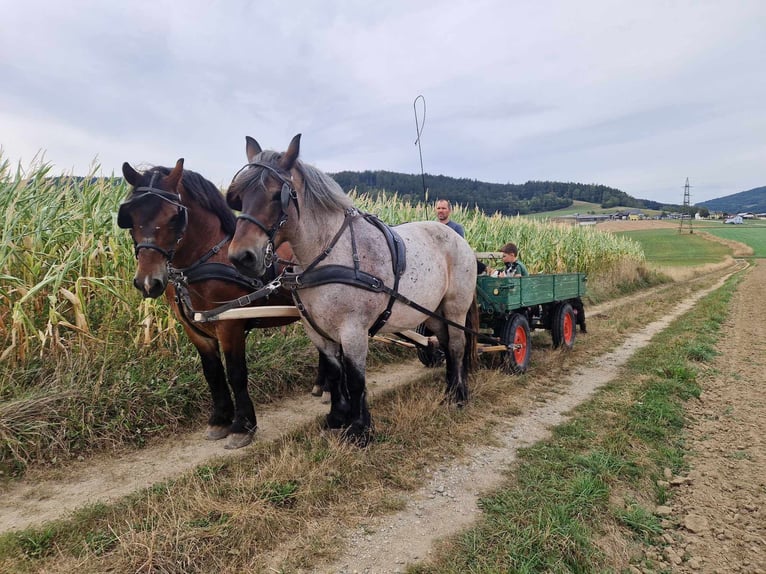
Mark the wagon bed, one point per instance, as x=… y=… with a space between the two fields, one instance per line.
x=501 y=295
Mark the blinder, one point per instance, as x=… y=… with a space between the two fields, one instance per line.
x=124 y=220
x=288 y=193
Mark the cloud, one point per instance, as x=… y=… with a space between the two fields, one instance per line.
x=638 y=97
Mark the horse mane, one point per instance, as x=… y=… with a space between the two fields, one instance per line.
x=321 y=192
x=206 y=194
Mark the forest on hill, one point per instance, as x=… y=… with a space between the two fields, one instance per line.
x=753 y=201
x=506 y=198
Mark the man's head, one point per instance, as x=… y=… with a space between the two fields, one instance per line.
x=443 y=209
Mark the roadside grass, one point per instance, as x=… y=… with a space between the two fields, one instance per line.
x=109 y=397
x=284 y=503
x=598 y=473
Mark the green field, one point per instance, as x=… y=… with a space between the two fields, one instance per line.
x=668 y=247
x=750 y=233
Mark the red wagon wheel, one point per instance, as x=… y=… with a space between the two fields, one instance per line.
x=563 y=330
x=516 y=337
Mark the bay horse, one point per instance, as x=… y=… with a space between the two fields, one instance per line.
x=181 y=228
x=357 y=275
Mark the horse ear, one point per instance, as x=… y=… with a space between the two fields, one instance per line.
x=234 y=201
x=174 y=177
x=130 y=174
x=252 y=148
x=288 y=158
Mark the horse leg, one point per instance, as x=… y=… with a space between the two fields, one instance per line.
x=320 y=382
x=439 y=329
x=222 y=413
x=457 y=375
x=244 y=424
x=354 y=360
x=334 y=379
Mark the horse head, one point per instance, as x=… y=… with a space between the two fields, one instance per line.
x=264 y=192
x=156 y=219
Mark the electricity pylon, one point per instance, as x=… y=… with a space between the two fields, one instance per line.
x=686 y=212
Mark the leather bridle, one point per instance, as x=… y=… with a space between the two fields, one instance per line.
x=288 y=194
x=142 y=192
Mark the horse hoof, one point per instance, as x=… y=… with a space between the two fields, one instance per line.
x=358 y=437
x=326 y=398
x=239 y=440
x=316 y=390
x=215 y=432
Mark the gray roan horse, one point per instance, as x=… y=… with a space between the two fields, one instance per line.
x=357 y=275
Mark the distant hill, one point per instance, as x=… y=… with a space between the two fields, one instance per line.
x=753 y=200
x=507 y=198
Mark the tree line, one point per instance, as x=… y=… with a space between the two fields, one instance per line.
x=506 y=198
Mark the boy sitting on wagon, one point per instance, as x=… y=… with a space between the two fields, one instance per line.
x=513 y=266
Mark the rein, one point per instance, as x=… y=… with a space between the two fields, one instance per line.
x=201 y=269
x=314 y=276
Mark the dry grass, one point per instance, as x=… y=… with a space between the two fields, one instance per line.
x=681 y=274
x=284 y=504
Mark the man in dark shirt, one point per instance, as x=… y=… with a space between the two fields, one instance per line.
x=443 y=209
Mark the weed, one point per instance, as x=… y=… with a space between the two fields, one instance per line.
x=207 y=472
x=642 y=522
x=101 y=541
x=36 y=543
x=279 y=493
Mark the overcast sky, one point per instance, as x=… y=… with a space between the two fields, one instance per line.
x=637 y=95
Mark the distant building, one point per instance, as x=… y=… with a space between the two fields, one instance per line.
x=582 y=218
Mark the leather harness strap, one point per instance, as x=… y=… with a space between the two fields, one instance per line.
x=315 y=276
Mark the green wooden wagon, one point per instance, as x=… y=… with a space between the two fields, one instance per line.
x=511 y=307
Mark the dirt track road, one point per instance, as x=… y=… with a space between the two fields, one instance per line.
x=726 y=488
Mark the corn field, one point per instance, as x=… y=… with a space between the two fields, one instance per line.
x=66 y=269
x=86 y=363
x=543 y=247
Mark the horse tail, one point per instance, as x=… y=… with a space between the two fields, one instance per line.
x=471 y=355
